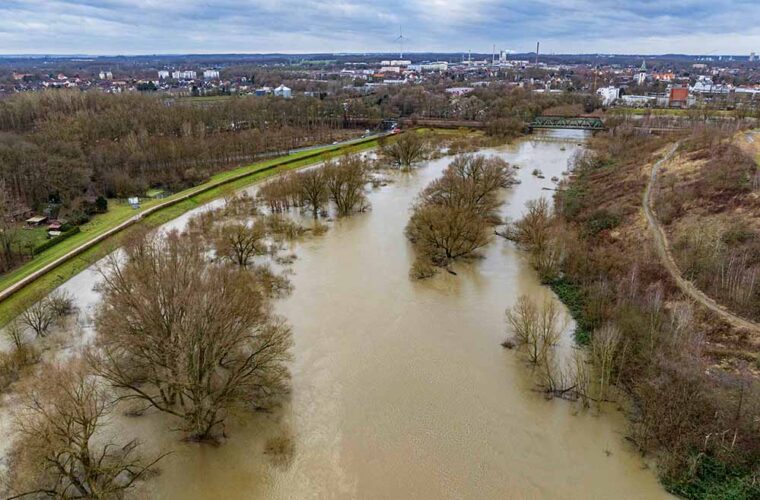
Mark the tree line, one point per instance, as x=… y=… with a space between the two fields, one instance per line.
x=67 y=147
x=341 y=182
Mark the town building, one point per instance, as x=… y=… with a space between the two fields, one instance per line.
x=184 y=75
x=705 y=86
x=667 y=76
x=210 y=74
x=396 y=62
x=608 y=95
x=459 y=91
x=163 y=74
x=430 y=66
x=638 y=101
x=283 y=91
x=641 y=77
x=678 y=97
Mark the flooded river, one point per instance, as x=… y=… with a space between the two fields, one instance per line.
x=400 y=387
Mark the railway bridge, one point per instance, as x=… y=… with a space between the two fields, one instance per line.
x=568 y=122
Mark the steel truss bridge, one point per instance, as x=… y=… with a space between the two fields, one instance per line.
x=572 y=122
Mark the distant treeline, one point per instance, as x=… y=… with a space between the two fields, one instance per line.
x=69 y=147
x=505 y=109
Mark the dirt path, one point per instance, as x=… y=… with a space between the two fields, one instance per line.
x=666 y=256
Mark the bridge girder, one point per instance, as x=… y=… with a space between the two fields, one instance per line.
x=569 y=122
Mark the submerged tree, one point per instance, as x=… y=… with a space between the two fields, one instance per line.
x=535 y=326
x=341 y=181
x=407 y=150
x=312 y=184
x=240 y=243
x=536 y=232
x=60 y=453
x=454 y=216
x=39 y=315
x=346 y=181
x=189 y=337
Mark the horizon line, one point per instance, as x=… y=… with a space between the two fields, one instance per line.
x=358 y=53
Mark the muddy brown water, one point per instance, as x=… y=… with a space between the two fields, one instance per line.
x=400 y=387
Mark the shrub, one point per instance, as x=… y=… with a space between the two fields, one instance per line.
x=13 y=363
x=602 y=220
x=54 y=241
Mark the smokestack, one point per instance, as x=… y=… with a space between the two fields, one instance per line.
x=538 y=45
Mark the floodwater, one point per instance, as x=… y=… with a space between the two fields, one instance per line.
x=400 y=387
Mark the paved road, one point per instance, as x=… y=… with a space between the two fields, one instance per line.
x=666 y=256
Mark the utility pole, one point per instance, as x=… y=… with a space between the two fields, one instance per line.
x=538 y=45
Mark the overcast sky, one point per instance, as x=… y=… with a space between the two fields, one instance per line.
x=304 y=26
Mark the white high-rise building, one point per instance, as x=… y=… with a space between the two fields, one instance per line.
x=211 y=74
x=184 y=75
x=163 y=75
x=752 y=57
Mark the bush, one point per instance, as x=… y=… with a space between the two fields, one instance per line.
x=101 y=204
x=572 y=296
x=61 y=303
x=54 y=241
x=12 y=363
x=602 y=220
x=715 y=480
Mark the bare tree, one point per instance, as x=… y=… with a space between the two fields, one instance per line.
x=604 y=347
x=346 y=181
x=536 y=233
x=60 y=453
x=443 y=234
x=39 y=315
x=14 y=331
x=280 y=193
x=61 y=303
x=454 y=215
x=8 y=228
x=405 y=150
x=240 y=244
x=188 y=337
x=535 y=326
x=313 y=186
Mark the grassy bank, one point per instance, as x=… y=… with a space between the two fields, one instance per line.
x=177 y=204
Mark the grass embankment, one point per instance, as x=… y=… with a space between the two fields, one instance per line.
x=218 y=185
